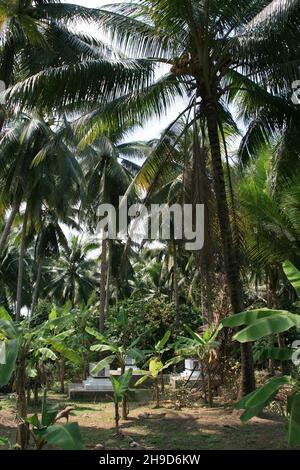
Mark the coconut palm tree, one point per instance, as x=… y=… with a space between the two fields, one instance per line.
x=73 y=276
x=218 y=52
x=106 y=165
x=36 y=168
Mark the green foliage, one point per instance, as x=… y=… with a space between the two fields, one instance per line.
x=121 y=385
x=44 y=429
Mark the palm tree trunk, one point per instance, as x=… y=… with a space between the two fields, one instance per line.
x=62 y=375
x=108 y=278
x=8 y=225
x=36 y=290
x=22 y=429
x=247 y=383
x=103 y=280
x=6 y=70
x=21 y=267
x=175 y=283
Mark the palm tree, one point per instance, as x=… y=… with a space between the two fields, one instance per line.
x=105 y=164
x=50 y=238
x=73 y=275
x=217 y=50
x=36 y=168
x=35 y=34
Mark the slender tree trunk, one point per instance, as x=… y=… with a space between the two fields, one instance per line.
x=209 y=387
x=117 y=418
x=175 y=282
x=247 y=383
x=108 y=278
x=8 y=225
x=62 y=375
x=156 y=390
x=21 y=267
x=103 y=285
x=124 y=401
x=36 y=290
x=22 y=429
x=6 y=70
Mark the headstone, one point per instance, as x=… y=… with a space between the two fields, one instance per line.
x=192 y=369
x=130 y=363
x=101 y=374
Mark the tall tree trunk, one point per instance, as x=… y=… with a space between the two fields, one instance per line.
x=108 y=278
x=62 y=375
x=36 y=290
x=21 y=266
x=22 y=429
x=6 y=70
x=103 y=280
x=247 y=383
x=175 y=283
x=8 y=225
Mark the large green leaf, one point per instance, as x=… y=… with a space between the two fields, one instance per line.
x=194 y=335
x=102 y=364
x=142 y=379
x=293 y=276
x=163 y=341
x=103 y=347
x=68 y=353
x=95 y=333
x=9 y=329
x=67 y=436
x=49 y=412
x=294 y=421
x=4 y=315
x=257 y=400
x=249 y=316
x=124 y=381
x=278 y=354
x=265 y=327
x=46 y=354
x=11 y=354
x=155 y=366
x=172 y=362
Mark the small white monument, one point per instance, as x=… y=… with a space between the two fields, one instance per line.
x=192 y=369
x=130 y=363
x=98 y=382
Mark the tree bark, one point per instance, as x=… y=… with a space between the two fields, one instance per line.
x=247 y=383
x=108 y=278
x=175 y=283
x=21 y=267
x=103 y=279
x=117 y=418
x=6 y=71
x=36 y=290
x=22 y=429
x=62 y=375
x=8 y=225
x=124 y=400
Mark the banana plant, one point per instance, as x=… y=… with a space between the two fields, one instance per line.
x=204 y=347
x=120 y=386
x=118 y=352
x=26 y=348
x=44 y=430
x=156 y=368
x=257 y=324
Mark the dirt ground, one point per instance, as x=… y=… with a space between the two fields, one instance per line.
x=165 y=428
